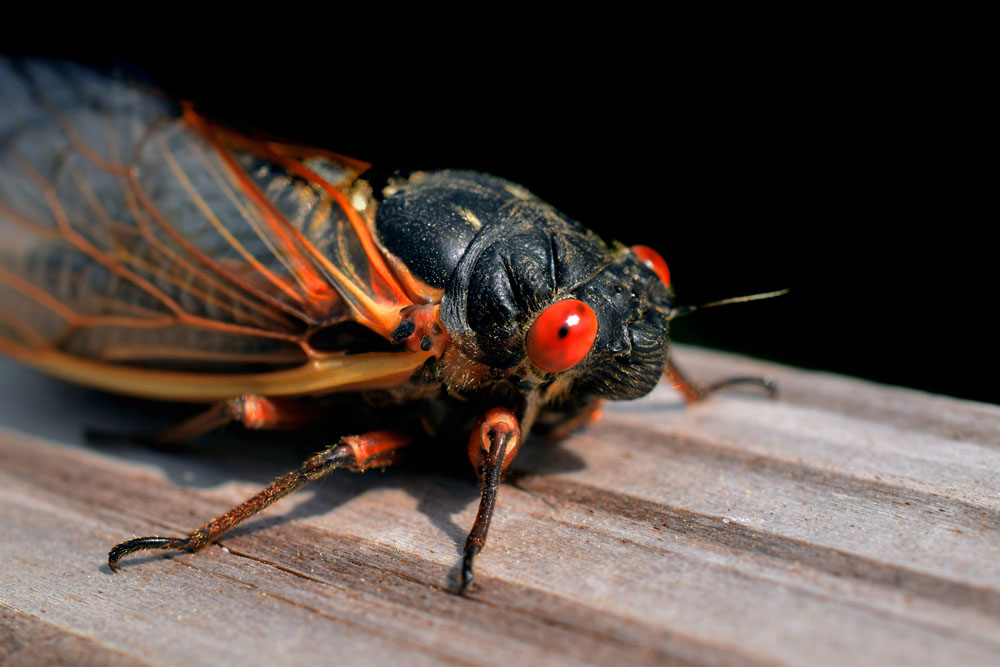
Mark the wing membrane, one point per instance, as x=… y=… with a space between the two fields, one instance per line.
x=136 y=233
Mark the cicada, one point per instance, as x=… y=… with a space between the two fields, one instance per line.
x=149 y=251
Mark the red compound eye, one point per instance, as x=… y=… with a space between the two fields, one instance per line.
x=652 y=259
x=562 y=335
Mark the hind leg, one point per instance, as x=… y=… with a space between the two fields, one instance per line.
x=254 y=412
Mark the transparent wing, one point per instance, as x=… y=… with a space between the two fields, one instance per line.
x=134 y=232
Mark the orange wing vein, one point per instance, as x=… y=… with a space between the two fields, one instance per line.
x=138 y=236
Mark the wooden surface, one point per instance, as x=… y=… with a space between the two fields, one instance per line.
x=845 y=523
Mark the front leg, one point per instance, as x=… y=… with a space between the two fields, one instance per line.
x=693 y=392
x=492 y=447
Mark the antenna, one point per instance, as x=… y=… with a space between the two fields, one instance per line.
x=684 y=310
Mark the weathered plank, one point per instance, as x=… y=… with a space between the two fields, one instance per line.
x=26 y=640
x=843 y=523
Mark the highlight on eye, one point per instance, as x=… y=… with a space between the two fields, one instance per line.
x=562 y=335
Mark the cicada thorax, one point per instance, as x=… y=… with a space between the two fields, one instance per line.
x=504 y=259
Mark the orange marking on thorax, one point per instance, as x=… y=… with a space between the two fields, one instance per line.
x=360 y=228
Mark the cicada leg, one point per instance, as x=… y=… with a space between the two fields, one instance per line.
x=492 y=447
x=693 y=392
x=252 y=411
x=359 y=452
x=257 y=413
x=587 y=413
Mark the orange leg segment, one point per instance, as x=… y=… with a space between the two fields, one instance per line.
x=253 y=411
x=360 y=452
x=492 y=448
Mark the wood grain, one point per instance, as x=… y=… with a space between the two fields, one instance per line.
x=844 y=523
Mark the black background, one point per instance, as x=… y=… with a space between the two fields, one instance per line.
x=844 y=167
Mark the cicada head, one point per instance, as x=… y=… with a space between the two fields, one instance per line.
x=531 y=295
